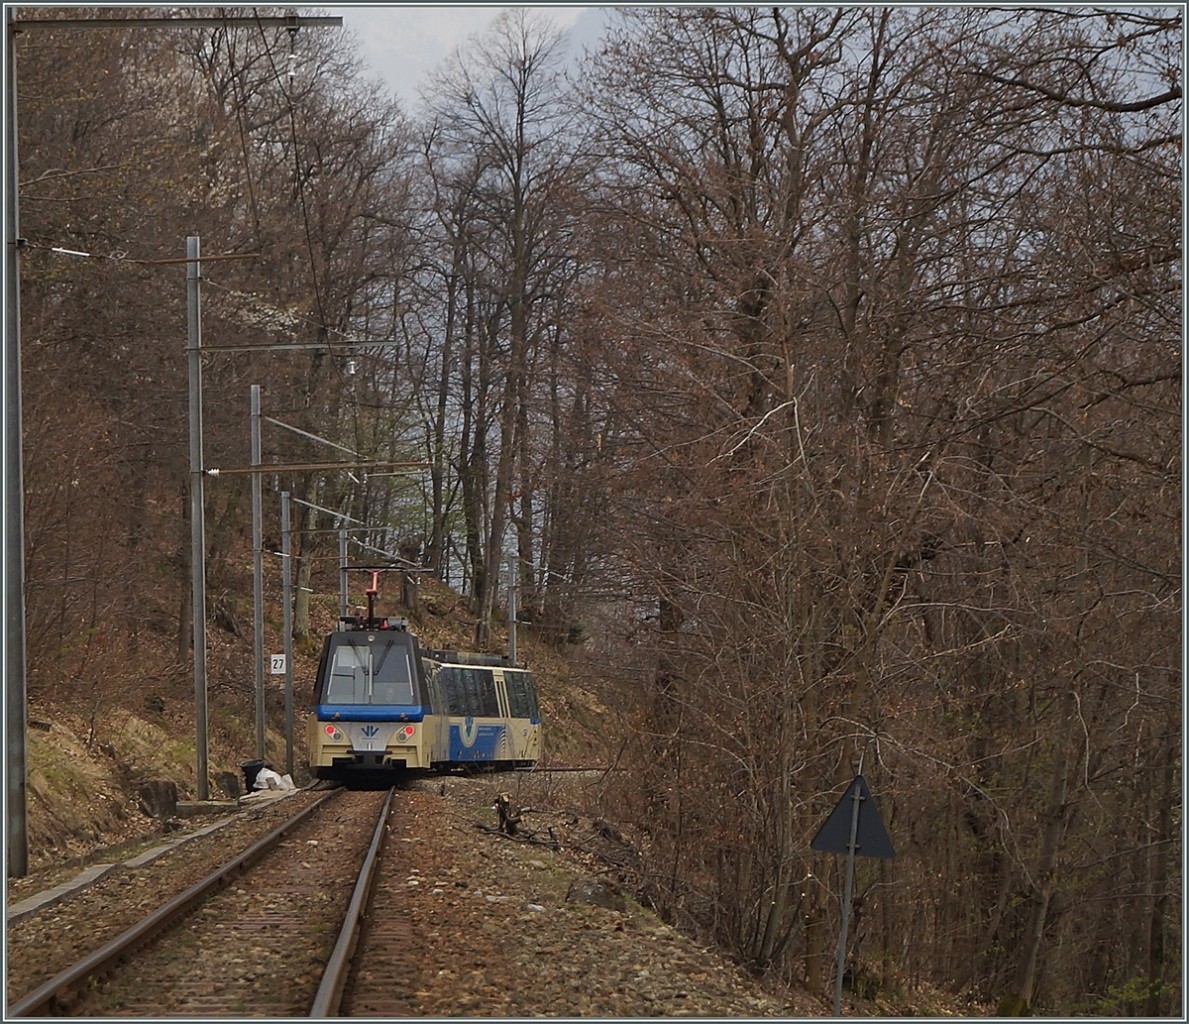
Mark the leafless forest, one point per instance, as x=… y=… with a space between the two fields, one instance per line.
x=820 y=369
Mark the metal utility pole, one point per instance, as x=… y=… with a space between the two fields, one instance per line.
x=257 y=572
x=854 y=828
x=342 y=573
x=14 y=495
x=197 y=506
x=287 y=618
x=852 y=846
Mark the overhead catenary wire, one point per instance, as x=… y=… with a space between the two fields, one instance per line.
x=284 y=317
x=121 y=256
x=309 y=467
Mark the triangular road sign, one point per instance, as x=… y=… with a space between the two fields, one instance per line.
x=871 y=838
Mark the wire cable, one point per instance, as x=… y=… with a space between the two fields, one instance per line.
x=241 y=100
x=121 y=255
x=305 y=213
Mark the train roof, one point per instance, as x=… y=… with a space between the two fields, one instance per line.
x=468 y=658
x=357 y=623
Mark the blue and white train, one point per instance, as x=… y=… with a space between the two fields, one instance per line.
x=383 y=703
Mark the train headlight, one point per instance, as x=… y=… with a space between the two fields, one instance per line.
x=408 y=731
x=332 y=732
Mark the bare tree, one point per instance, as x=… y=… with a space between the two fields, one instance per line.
x=499 y=112
x=882 y=332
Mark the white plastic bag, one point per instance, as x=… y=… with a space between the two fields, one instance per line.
x=268 y=779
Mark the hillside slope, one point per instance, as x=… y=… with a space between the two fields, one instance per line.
x=90 y=751
x=90 y=754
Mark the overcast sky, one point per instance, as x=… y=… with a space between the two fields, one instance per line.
x=402 y=44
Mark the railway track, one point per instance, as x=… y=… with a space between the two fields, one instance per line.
x=594 y=769
x=294 y=913
x=290 y=907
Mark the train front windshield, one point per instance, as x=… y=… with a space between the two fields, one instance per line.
x=368 y=670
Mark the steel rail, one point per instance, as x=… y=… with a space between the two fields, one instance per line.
x=41 y=1001
x=540 y=769
x=338 y=966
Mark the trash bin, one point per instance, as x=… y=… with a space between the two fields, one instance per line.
x=251 y=769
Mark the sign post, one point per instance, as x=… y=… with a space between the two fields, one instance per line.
x=851 y=831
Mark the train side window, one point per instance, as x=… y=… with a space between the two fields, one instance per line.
x=470 y=699
x=515 y=694
x=488 y=702
x=461 y=700
x=434 y=680
x=522 y=696
x=480 y=692
x=469 y=696
x=455 y=692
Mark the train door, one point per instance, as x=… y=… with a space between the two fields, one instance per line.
x=522 y=695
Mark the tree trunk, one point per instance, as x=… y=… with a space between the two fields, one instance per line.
x=1164 y=842
x=1044 y=881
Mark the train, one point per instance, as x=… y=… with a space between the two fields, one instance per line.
x=383 y=704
